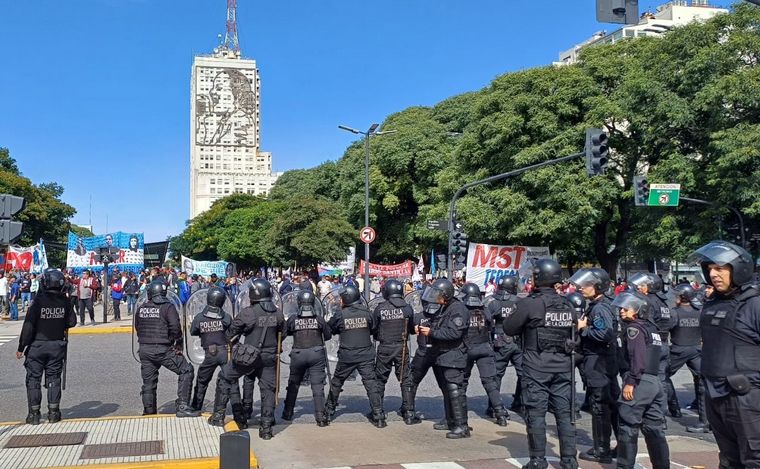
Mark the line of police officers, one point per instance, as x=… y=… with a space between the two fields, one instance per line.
x=539 y=334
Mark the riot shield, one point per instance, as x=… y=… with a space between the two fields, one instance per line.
x=415 y=300
x=243 y=299
x=290 y=308
x=194 y=306
x=332 y=305
x=141 y=300
x=374 y=302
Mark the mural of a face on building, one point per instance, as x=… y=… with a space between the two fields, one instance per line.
x=227 y=110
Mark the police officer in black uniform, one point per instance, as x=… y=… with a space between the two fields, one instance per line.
x=507 y=349
x=356 y=325
x=446 y=334
x=480 y=352
x=730 y=325
x=545 y=321
x=159 y=334
x=395 y=321
x=686 y=349
x=598 y=334
x=260 y=324
x=211 y=326
x=641 y=403
x=310 y=332
x=43 y=341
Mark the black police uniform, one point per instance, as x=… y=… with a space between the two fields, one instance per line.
x=395 y=321
x=507 y=349
x=642 y=345
x=545 y=321
x=160 y=337
x=423 y=362
x=599 y=350
x=480 y=353
x=43 y=341
x=211 y=326
x=308 y=354
x=448 y=330
x=731 y=373
x=257 y=325
x=662 y=318
x=686 y=349
x=355 y=324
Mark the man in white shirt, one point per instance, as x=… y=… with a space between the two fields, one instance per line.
x=3 y=294
x=324 y=286
x=84 y=289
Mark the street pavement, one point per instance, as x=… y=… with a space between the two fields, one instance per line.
x=104 y=381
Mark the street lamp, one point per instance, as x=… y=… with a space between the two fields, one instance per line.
x=370 y=132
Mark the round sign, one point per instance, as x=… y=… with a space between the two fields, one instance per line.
x=367 y=235
x=664 y=199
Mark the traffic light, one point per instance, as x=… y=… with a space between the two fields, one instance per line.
x=618 y=11
x=641 y=191
x=458 y=240
x=10 y=230
x=597 y=152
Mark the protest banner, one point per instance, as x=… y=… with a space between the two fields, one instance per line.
x=127 y=250
x=403 y=270
x=222 y=269
x=486 y=262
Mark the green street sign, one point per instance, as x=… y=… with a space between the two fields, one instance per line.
x=664 y=195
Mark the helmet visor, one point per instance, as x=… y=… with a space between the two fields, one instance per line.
x=640 y=279
x=629 y=301
x=433 y=295
x=584 y=278
x=720 y=253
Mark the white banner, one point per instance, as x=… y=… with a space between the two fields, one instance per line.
x=486 y=262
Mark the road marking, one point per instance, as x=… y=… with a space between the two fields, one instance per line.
x=4 y=339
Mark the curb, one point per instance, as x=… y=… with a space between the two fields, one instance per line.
x=198 y=463
x=100 y=330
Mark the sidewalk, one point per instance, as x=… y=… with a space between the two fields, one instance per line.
x=111 y=327
x=159 y=441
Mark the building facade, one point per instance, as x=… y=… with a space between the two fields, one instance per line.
x=225 y=152
x=668 y=16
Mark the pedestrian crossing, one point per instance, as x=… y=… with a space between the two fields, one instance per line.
x=4 y=339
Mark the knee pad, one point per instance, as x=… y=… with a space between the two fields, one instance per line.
x=490 y=384
x=33 y=383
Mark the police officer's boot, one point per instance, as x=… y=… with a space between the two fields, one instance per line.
x=536 y=463
x=149 y=403
x=410 y=416
x=184 y=410
x=240 y=415
x=220 y=406
x=321 y=418
x=198 y=398
x=378 y=418
x=599 y=452
x=265 y=428
x=330 y=404
x=446 y=423
x=674 y=407
x=54 y=413
x=34 y=415
x=702 y=426
x=501 y=416
x=458 y=413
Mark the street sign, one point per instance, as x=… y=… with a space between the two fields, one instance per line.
x=440 y=225
x=664 y=195
x=367 y=235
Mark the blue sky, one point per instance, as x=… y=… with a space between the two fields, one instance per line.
x=96 y=93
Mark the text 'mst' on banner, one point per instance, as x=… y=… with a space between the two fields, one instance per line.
x=127 y=251
x=486 y=262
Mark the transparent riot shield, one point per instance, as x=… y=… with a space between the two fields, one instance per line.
x=141 y=300
x=194 y=306
x=415 y=300
x=290 y=308
x=243 y=299
x=374 y=302
x=332 y=305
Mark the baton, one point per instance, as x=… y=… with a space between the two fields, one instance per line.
x=327 y=360
x=65 y=356
x=277 y=372
x=572 y=375
x=405 y=339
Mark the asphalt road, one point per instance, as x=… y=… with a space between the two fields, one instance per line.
x=104 y=380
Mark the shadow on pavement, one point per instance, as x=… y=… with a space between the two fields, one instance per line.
x=90 y=409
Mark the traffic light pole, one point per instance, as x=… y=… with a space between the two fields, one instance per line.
x=498 y=177
x=715 y=204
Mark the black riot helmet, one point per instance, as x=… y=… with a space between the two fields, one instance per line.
x=634 y=301
x=393 y=289
x=53 y=281
x=471 y=295
x=305 y=301
x=350 y=295
x=724 y=253
x=546 y=272
x=578 y=301
x=685 y=292
x=440 y=292
x=506 y=285
x=260 y=291
x=157 y=292
x=215 y=297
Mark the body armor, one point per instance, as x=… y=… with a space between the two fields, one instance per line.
x=725 y=351
x=687 y=332
x=391 y=327
x=479 y=330
x=554 y=335
x=355 y=333
x=212 y=331
x=151 y=326
x=307 y=333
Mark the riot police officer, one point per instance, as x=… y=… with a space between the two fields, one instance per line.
x=260 y=323
x=355 y=324
x=310 y=332
x=211 y=326
x=506 y=348
x=43 y=341
x=480 y=353
x=730 y=323
x=642 y=400
x=686 y=349
x=446 y=334
x=598 y=334
x=395 y=321
x=159 y=334
x=545 y=321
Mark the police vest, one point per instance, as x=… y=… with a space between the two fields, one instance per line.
x=307 y=332
x=393 y=324
x=355 y=333
x=590 y=346
x=686 y=332
x=500 y=310
x=654 y=348
x=557 y=329
x=212 y=332
x=661 y=316
x=478 y=332
x=423 y=321
x=725 y=351
x=151 y=325
x=51 y=323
